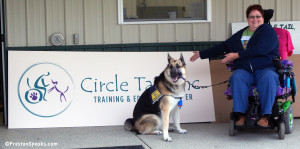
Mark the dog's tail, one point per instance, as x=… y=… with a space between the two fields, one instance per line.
x=129 y=124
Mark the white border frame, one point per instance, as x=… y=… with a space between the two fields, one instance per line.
x=121 y=18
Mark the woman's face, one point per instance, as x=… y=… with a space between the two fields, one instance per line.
x=255 y=19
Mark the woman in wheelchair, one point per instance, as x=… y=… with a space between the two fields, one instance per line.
x=251 y=50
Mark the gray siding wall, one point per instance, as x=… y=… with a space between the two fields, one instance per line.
x=32 y=22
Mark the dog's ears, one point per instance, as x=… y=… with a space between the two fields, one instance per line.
x=182 y=59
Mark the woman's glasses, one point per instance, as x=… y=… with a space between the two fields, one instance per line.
x=252 y=17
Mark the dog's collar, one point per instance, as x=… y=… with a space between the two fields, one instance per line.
x=176 y=97
x=179 y=102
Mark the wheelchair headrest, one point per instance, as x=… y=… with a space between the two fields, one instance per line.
x=268 y=14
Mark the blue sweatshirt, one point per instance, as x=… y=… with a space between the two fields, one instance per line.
x=261 y=49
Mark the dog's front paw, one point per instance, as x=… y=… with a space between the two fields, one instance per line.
x=182 y=131
x=168 y=139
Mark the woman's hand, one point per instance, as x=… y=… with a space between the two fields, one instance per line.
x=230 y=57
x=195 y=56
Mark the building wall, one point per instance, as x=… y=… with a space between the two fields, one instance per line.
x=32 y=22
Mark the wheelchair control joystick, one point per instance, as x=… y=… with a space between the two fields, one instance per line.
x=278 y=65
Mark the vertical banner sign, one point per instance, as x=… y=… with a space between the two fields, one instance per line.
x=292 y=26
x=73 y=89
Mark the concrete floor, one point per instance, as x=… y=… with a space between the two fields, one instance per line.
x=199 y=136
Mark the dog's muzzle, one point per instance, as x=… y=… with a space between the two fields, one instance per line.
x=175 y=74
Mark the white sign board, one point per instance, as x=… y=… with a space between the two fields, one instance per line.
x=292 y=26
x=71 y=89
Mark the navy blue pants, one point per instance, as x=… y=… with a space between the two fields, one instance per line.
x=266 y=81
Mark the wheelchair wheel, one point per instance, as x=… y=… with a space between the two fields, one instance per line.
x=281 y=130
x=289 y=120
x=231 y=128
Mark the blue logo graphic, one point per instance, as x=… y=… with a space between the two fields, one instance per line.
x=46 y=89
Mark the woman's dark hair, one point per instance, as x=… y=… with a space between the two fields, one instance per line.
x=255 y=7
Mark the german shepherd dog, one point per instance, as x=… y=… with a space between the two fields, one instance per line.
x=157 y=103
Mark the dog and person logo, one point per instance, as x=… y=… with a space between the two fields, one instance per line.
x=46 y=89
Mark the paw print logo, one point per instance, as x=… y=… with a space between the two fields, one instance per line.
x=33 y=96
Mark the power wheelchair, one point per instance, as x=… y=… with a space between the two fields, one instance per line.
x=282 y=111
